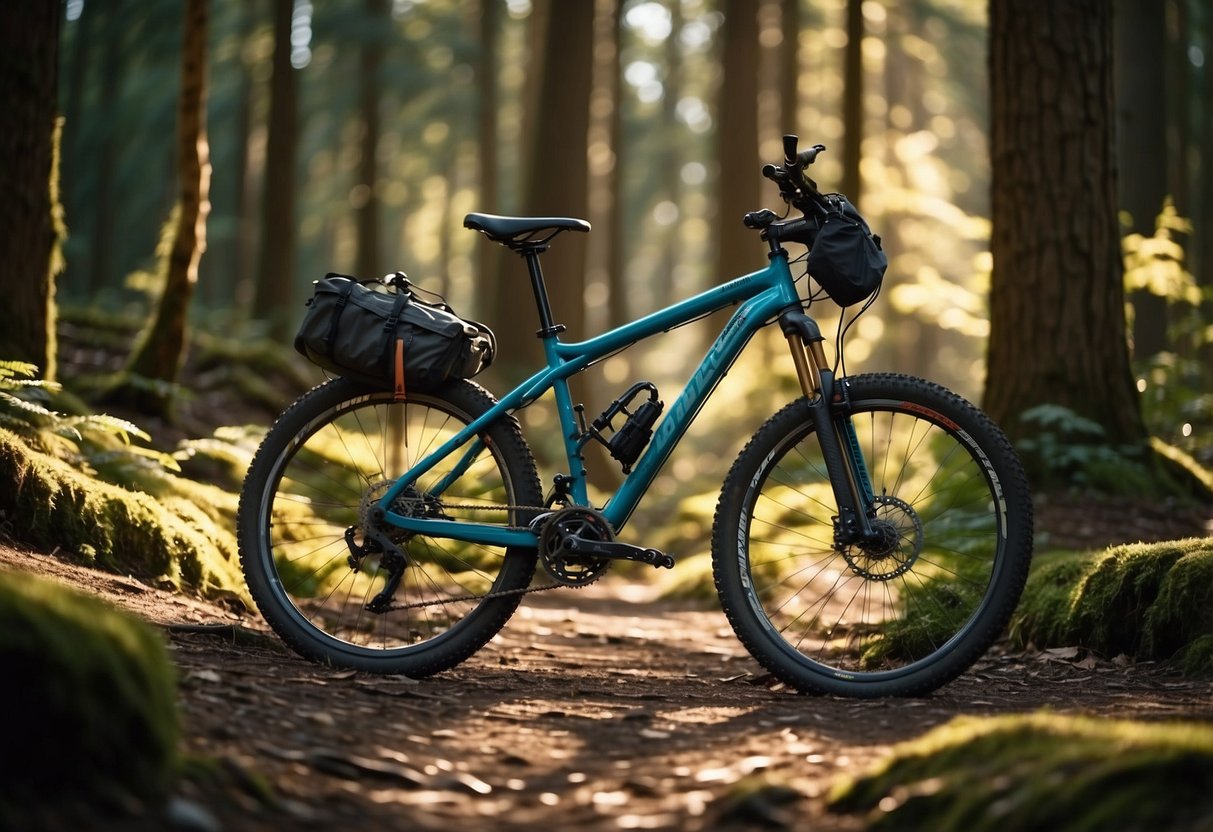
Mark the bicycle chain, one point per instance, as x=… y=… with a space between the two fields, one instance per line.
x=483 y=507
x=499 y=594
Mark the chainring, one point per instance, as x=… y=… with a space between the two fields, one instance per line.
x=562 y=566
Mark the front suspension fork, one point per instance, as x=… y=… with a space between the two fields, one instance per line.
x=830 y=409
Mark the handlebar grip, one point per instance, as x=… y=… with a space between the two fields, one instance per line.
x=760 y=219
x=789 y=150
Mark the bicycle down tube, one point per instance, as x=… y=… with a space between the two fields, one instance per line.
x=762 y=295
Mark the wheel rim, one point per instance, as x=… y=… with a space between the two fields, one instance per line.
x=320 y=488
x=886 y=610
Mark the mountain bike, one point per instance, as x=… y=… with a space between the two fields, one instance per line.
x=871 y=539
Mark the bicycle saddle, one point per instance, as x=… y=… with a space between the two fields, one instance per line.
x=521 y=231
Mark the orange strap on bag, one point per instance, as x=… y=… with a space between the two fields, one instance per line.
x=400 y=391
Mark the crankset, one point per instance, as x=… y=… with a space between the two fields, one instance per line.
x=577 y=544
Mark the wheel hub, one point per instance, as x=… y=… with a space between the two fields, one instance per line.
x=895 y=546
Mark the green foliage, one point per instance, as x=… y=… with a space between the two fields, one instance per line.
x=1156 y=264
x=1176 y=402
x=80 y=483
x=1196 y=659
x=223 y=457
x=1064 y=450
x=1198 y=478
x=1147 y=600
x=88 y=440
x=185 y=541
x=1040 y=771
x=89 y=706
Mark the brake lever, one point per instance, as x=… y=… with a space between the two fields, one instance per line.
x=807 y=157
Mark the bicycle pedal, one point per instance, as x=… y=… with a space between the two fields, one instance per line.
x=661 y=560
x=615 y=550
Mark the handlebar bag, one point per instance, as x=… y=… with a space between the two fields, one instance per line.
x=384 y=335
x=846 y=258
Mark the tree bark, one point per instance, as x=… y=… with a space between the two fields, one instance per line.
x=619 y=309
x=29 y=72
x=557 y=178
x=852 y=102
x=1140 y=42
x=366 y=214
x=162 y=347
x=1057 y=295
x=671 y=170
x=488 y=255
x=739 y=185
x=243 y=248
x=105 y=157
x=277 y=263
x=789 y=67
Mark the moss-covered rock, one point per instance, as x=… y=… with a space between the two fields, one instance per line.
x=1183 y=612
x=1044 y=611
x=1147 y=600
x=88 y=705
x=1041 y=771
x=51 y=504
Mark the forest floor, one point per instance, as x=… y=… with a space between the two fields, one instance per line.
x=599 y=708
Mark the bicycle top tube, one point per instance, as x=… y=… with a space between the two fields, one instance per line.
x=760 y=296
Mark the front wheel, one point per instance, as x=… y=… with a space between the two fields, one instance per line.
x=895 y=617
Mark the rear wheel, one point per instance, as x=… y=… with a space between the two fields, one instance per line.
x=304 y=508
x=901 y=614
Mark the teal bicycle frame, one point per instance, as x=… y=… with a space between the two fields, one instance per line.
x=762 y=296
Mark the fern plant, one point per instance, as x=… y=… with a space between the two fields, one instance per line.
x=89 y=440
x=1066 y=450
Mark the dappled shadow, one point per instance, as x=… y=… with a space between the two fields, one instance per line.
x=595 y=712
x=591 y=709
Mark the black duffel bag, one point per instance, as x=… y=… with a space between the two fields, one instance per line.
x=846 y=258
x=383 y=334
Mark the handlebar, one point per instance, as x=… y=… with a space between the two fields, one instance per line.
x=798 y=190
x=794 y=186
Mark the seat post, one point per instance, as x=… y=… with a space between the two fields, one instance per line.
x=546 y=326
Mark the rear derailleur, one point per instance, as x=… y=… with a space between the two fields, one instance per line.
x=392 y=559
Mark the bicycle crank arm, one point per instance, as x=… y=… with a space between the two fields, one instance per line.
x=615 y=550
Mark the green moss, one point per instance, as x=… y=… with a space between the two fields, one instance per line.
x=1184 y=609
x=1196 y=658
x=1145 y=600
x=1040 y=771
x=1117 y=593
x=89 y=704
x=50 y=504
x=1045 y=610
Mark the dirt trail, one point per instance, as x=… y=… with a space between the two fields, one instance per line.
x=593 y=709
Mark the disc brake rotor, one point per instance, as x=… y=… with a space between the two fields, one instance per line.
x=896 y=550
